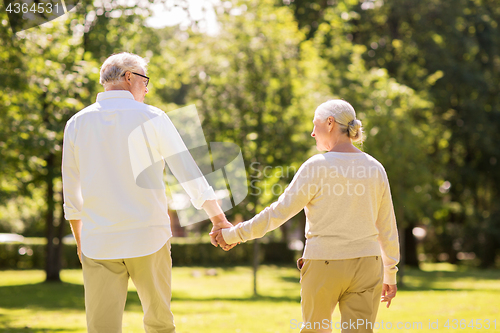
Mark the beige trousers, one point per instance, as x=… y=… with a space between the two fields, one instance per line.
x=356 y=284
x=106 y=283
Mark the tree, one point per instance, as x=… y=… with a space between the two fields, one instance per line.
x=53 y=90
x=450 y=51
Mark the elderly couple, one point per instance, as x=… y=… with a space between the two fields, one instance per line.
x=122 y=230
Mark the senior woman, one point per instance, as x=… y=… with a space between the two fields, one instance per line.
x=352 y=243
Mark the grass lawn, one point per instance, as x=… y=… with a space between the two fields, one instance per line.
x=224 y=303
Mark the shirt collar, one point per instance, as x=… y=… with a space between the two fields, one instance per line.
x=114 y=94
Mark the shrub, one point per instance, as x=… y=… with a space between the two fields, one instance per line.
x=31 y=254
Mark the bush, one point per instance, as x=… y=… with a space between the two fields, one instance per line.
x=31 y=254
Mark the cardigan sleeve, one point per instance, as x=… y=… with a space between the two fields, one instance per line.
x=388 y=234
x=295 y=197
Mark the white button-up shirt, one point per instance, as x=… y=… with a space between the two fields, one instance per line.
x=113 y=181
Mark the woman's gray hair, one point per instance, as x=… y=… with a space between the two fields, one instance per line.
x=116 y=65
x=344 y=115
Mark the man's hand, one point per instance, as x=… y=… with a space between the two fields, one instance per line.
x=388 y=293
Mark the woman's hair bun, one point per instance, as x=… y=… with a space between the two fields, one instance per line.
x=354 y=129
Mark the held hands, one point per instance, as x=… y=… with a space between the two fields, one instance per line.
x=219 y=220
x=216 y=237
x=388 y=293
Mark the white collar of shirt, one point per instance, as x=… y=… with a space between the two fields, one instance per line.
x=114 y=94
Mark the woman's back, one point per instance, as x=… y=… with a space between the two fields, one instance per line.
x=351 y=204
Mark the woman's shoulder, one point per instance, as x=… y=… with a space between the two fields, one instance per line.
x=373 y=160
x=312 y=163
x=332 y=159
x=315 y=160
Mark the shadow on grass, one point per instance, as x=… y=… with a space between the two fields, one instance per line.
x=420 y=280
x=53 y=296
x=259 y=298
x=42 y=295
x=7 y=329
x=5 y=326
x=291 y=279
x=49 y=296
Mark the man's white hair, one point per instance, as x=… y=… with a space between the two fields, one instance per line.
x=116 y=65
x=344 y=115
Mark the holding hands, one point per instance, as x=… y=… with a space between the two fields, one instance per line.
x=220 y=222
x=216 y=237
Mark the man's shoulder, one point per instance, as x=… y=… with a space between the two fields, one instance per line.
x=97 y=107
x=89 y=109
x=154 y=110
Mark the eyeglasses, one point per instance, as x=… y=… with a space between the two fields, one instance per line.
x=144 y=76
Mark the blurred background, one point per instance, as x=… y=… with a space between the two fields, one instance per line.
x=423 y=76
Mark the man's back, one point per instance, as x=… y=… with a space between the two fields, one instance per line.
x=113 y=208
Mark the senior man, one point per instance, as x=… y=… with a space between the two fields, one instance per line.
x=122 y=227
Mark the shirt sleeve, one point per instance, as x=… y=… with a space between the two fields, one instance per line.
x=295 y=197
x=72 y=190
x=388 y=235
x=182 y=164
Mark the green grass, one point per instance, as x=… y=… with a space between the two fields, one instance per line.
x=224 y=303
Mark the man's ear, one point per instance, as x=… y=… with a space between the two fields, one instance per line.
x=128 y=78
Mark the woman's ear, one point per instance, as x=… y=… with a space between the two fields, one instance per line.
x=330 y=122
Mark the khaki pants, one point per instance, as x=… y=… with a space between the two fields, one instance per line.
x=356 y=284
x=106 y=283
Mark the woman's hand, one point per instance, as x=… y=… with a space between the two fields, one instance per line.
x=388 y=293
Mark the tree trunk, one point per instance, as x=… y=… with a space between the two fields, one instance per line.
x=61 y=231
x=402 y=246
x=52 y=265
x=255 y=264
x=402 y=261
x=284 y=232
x=410 y=247
x=489 y=251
